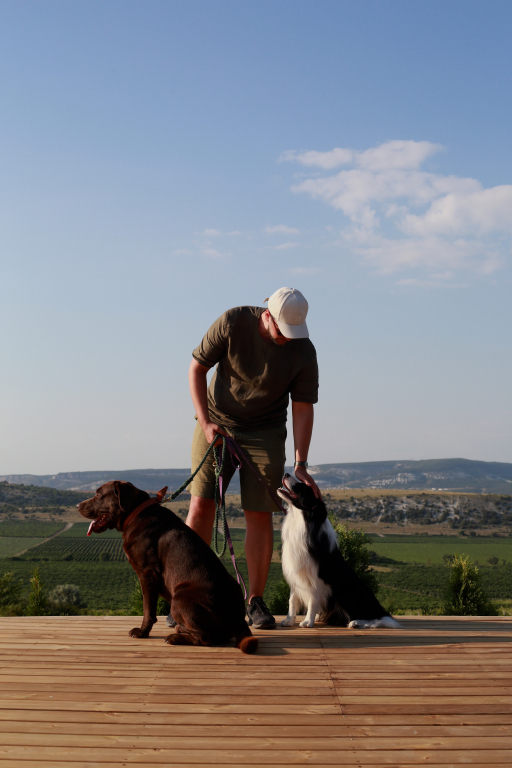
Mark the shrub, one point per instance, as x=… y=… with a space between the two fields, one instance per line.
x=65 y=594
x=136 y=605
x=11 y=603
x=464 y=595
x=277 y=596
x=493 y=560
x=353 y=545
x=37 y=599
x=104 y=556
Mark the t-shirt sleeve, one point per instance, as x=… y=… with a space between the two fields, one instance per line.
x=304 y=388
x=213 y=345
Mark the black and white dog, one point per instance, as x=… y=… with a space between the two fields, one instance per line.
x=316 y=571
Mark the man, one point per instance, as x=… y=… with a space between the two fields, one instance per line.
x=262 y=357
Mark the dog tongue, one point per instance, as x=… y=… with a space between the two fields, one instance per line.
x=90 y=527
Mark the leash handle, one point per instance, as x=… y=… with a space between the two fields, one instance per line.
x=220 y=510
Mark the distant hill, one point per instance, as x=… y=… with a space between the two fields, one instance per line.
x=460 y=475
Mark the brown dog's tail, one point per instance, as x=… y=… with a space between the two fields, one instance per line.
x=246 y=641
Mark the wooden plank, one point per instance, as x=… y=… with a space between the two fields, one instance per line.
x=177 y=709
x=97 y=741
x=101 y=764
x=229 y=756
x=166 y=683
x=143 y=715
x=306 y=734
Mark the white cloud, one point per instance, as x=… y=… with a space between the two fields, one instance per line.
x=284 y=246
x=218 y=233
x=392 y=154
x=281 y=229
x=212 y=253
x=402 y=218
x=327 y=160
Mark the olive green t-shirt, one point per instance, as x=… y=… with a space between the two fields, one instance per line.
x=254 y=377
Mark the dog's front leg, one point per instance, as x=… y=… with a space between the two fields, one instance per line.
x=313 y=608
x=150 y=591
x=293 y=606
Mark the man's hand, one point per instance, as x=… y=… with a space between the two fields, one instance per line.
x=210 y=430
x=301 y=474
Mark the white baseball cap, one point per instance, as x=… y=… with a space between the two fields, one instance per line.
x=289 y=308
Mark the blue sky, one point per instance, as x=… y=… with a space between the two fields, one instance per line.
x=163 y=161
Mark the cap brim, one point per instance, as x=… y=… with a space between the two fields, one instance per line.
x=293 y=331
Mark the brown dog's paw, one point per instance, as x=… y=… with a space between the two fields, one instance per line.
x=137 y=632
x=179 y=639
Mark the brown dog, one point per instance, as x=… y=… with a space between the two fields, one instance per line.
x=171 y=560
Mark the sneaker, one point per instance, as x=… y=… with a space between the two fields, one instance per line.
x=259 y=615
x=170 y=622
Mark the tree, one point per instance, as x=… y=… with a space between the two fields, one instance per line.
x=464 y=595
x=11 y=603
x=37 y=599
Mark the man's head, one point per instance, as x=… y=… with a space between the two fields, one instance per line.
x=288 y=309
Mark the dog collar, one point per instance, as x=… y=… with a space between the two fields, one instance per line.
x=145 y=504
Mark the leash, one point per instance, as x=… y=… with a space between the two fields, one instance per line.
x=238 y=457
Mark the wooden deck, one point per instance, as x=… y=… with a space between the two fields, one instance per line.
x=77 y=691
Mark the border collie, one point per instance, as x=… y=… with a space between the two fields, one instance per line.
x=316 y=571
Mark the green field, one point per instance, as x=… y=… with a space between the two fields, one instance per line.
x=11 y=546
x=412 y=579
x=30 y=528
x=80 y=530
x=430 y=549
x=103 y=586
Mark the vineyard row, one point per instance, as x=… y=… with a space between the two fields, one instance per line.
x=75 y=549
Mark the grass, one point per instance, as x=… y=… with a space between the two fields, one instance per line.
x=13 y=545
x=430 y=549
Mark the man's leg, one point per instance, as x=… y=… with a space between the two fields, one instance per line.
x=201 y=516
x=259 y=543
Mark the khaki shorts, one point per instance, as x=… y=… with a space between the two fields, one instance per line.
x=266 y=450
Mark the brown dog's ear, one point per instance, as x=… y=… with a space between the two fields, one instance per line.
x=161 y=493
x=118 y=490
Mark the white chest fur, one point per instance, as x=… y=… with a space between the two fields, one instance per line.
x=299 y=568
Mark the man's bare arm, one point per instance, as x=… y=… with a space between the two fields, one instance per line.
x=199 y=392
x=303 y=417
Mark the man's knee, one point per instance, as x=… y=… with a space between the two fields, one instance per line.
x=256 y=518
x=201 y=506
